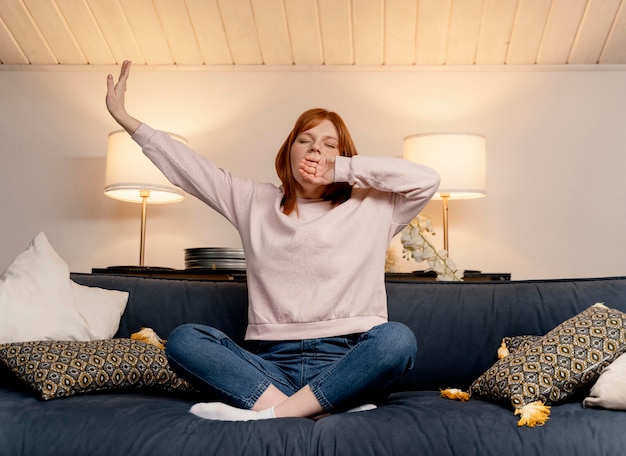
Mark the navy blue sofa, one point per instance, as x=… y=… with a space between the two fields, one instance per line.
x=459 y=327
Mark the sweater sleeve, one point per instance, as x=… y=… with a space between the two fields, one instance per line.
x=413 y=185
x=194 y=173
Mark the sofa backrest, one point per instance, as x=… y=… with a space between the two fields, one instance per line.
x=164 y=304
x=459 y=326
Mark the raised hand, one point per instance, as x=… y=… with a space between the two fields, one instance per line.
x=317 y=168
x=115 y=99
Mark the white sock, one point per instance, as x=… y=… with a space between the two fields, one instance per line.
x=224 y=412
x=361 y=408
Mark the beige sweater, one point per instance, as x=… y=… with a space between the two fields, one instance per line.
x=318 y=273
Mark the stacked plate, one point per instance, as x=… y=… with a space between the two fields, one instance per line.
x=215 y=258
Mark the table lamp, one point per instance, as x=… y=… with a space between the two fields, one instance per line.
x=460 y=160
x=130 y=176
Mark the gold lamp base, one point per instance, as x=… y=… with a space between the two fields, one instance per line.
x=444 y=200
x=145 y=194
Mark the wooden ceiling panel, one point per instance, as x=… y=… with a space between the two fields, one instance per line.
x=178 y=31
x=273 y=33
x=336 y=27
x=400 y=32
x=560 y=32
x=206 y=20
x=116 y=30
x=20 y=23
x=147 y=30
x=594 y=30
x=55 y=31
x=83 y=26
x=304 y=32
x=10 y=52
x=368 y=24
x=368 y=33
x=433 y=18
x=463 y=31
x=241 y=31
x=495 y=33
x=614 y=51
x=528 y=27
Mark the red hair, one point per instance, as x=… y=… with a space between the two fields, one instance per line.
x=338 y=192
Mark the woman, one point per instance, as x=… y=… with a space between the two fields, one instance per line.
x=318 y=339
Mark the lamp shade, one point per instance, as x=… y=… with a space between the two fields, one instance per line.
x=129 y=173
x=459 y=158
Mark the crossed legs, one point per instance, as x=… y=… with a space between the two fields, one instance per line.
x=290 y=379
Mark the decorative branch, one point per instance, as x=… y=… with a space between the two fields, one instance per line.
x=416 y=245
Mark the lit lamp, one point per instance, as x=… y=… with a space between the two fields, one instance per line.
x=130 y=176
x=460 y=160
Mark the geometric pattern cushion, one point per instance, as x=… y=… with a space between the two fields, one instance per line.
x=557 y=365
x=56 y=369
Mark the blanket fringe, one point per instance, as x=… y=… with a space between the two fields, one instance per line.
x=454 y=394
x=149 y=336
x=533 y=414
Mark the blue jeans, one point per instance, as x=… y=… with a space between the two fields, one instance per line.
x=341 y=371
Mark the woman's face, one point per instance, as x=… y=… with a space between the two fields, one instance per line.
x=321 y=139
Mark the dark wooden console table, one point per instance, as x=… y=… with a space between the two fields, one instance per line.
x=469 y=276
x=240 y=276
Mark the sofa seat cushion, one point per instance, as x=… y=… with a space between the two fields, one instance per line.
x=57 y=369
x=422 y=423
x=408 y=423
x=137 y=424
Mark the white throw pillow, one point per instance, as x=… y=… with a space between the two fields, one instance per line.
x=39 y=302
x=101 y=309
x=610 y=389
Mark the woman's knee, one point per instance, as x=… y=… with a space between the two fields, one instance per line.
x=397 y=343
x=186 y=338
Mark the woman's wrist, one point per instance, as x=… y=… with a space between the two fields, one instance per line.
x=127 y=122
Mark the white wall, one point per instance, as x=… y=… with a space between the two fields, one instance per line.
x=556 y=144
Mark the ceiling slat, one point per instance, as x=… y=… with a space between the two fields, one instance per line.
x=400 y=20
x=207 y=23
x=594 y=31
x=304 y=32
x=528 y=31
x=273 y=34
x=495 y=32
x=116 y=30
x=432 y=31
x=615 y=51
x=178 y=31
x=10 y=52
x=241 y=31
x=336 y=27
x=86 y=30
x=560 y=33
x=368 y=21
x=55 y=30
x=465 y=19
x=144 y=21
x=22 y=27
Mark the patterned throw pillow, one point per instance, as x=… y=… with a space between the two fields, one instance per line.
x=555 y=366
x=57 y=369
